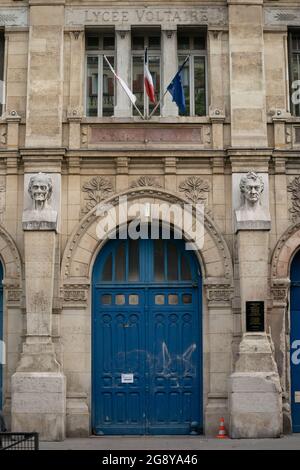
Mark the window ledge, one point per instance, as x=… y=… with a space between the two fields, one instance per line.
x=154 y=119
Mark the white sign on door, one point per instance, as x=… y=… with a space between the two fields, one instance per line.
x=127 y=378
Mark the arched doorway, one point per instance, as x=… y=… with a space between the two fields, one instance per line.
x=147 y=340
x=295 y=342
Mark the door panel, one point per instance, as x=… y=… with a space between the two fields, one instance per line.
x=119 y=339
x=174 y=375
x=295 y=358
x=295 y=342
x=1 y=336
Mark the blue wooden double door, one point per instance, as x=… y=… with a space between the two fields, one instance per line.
x=147 y=342
x=295 y=342
x=2 y=351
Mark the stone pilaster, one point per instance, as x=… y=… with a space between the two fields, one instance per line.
x=39 y=386
x=247 y=80
x=216 y=60
x=170 y=174
x=255 y=393
x=123 y=66
x=13 y=121
x=122 y=174
x=75 y=108
x=45 y=75
x=169 y=51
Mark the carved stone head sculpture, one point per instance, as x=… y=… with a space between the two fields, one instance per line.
x=40 y=190
x=251 y=187
x=253 y=213
x=42 y=214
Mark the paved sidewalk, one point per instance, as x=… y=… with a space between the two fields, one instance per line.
x=173 y=443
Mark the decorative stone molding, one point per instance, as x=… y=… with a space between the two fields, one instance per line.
x=170 y=33
x=74 y=293
x=97 y=189
x=216 y=113
x=281 y=16
x=219 y=293
x=294 y=189
x=84 y=135
x=74 y=113
x=76 y=34
x=2 y=198
x=3 y=135
x=223 y=256
x=217 y=34
x=194 y=189
x=122 y=166
x=145 y=181
x=13 y=294
x=13 y=16
x=288 y=135
x=207 y=135
x=280 y=290
x=122 y=32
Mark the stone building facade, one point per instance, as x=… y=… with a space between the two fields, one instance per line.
x=66 y=117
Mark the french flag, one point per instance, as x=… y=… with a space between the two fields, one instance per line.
x=148 y=79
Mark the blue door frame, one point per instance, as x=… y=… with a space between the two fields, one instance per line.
x=147 y=341
x=295 y=342
x=1 y=333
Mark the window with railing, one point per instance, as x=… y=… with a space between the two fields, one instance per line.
x=139 y=42
x=294 y=46
x=192 y=43
x=100 y=82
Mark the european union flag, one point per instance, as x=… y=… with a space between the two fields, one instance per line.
x=177 y=92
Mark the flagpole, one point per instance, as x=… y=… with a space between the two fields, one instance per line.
x=111 y=68
x=162 y=98
x=157 y=104
x=138 y=111
x=146 y=104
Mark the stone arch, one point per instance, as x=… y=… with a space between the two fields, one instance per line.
x=12 y=264
x=217 y=280
x=279 y=318
x=83 y=246
x=283 y=253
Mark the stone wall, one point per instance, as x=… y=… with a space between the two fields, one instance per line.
x=248 y=127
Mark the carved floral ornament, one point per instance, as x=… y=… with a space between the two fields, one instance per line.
x=97 y=189
x=194 y=189
x=145 y=181
x=294 y=189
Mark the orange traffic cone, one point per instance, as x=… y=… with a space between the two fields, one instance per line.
x=222 y=432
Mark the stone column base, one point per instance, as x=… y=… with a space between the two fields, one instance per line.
x=39 y=404
x=78 y=417
x=255 y=405
x=216 y=409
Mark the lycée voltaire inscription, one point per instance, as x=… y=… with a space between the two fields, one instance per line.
x=121 y=16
